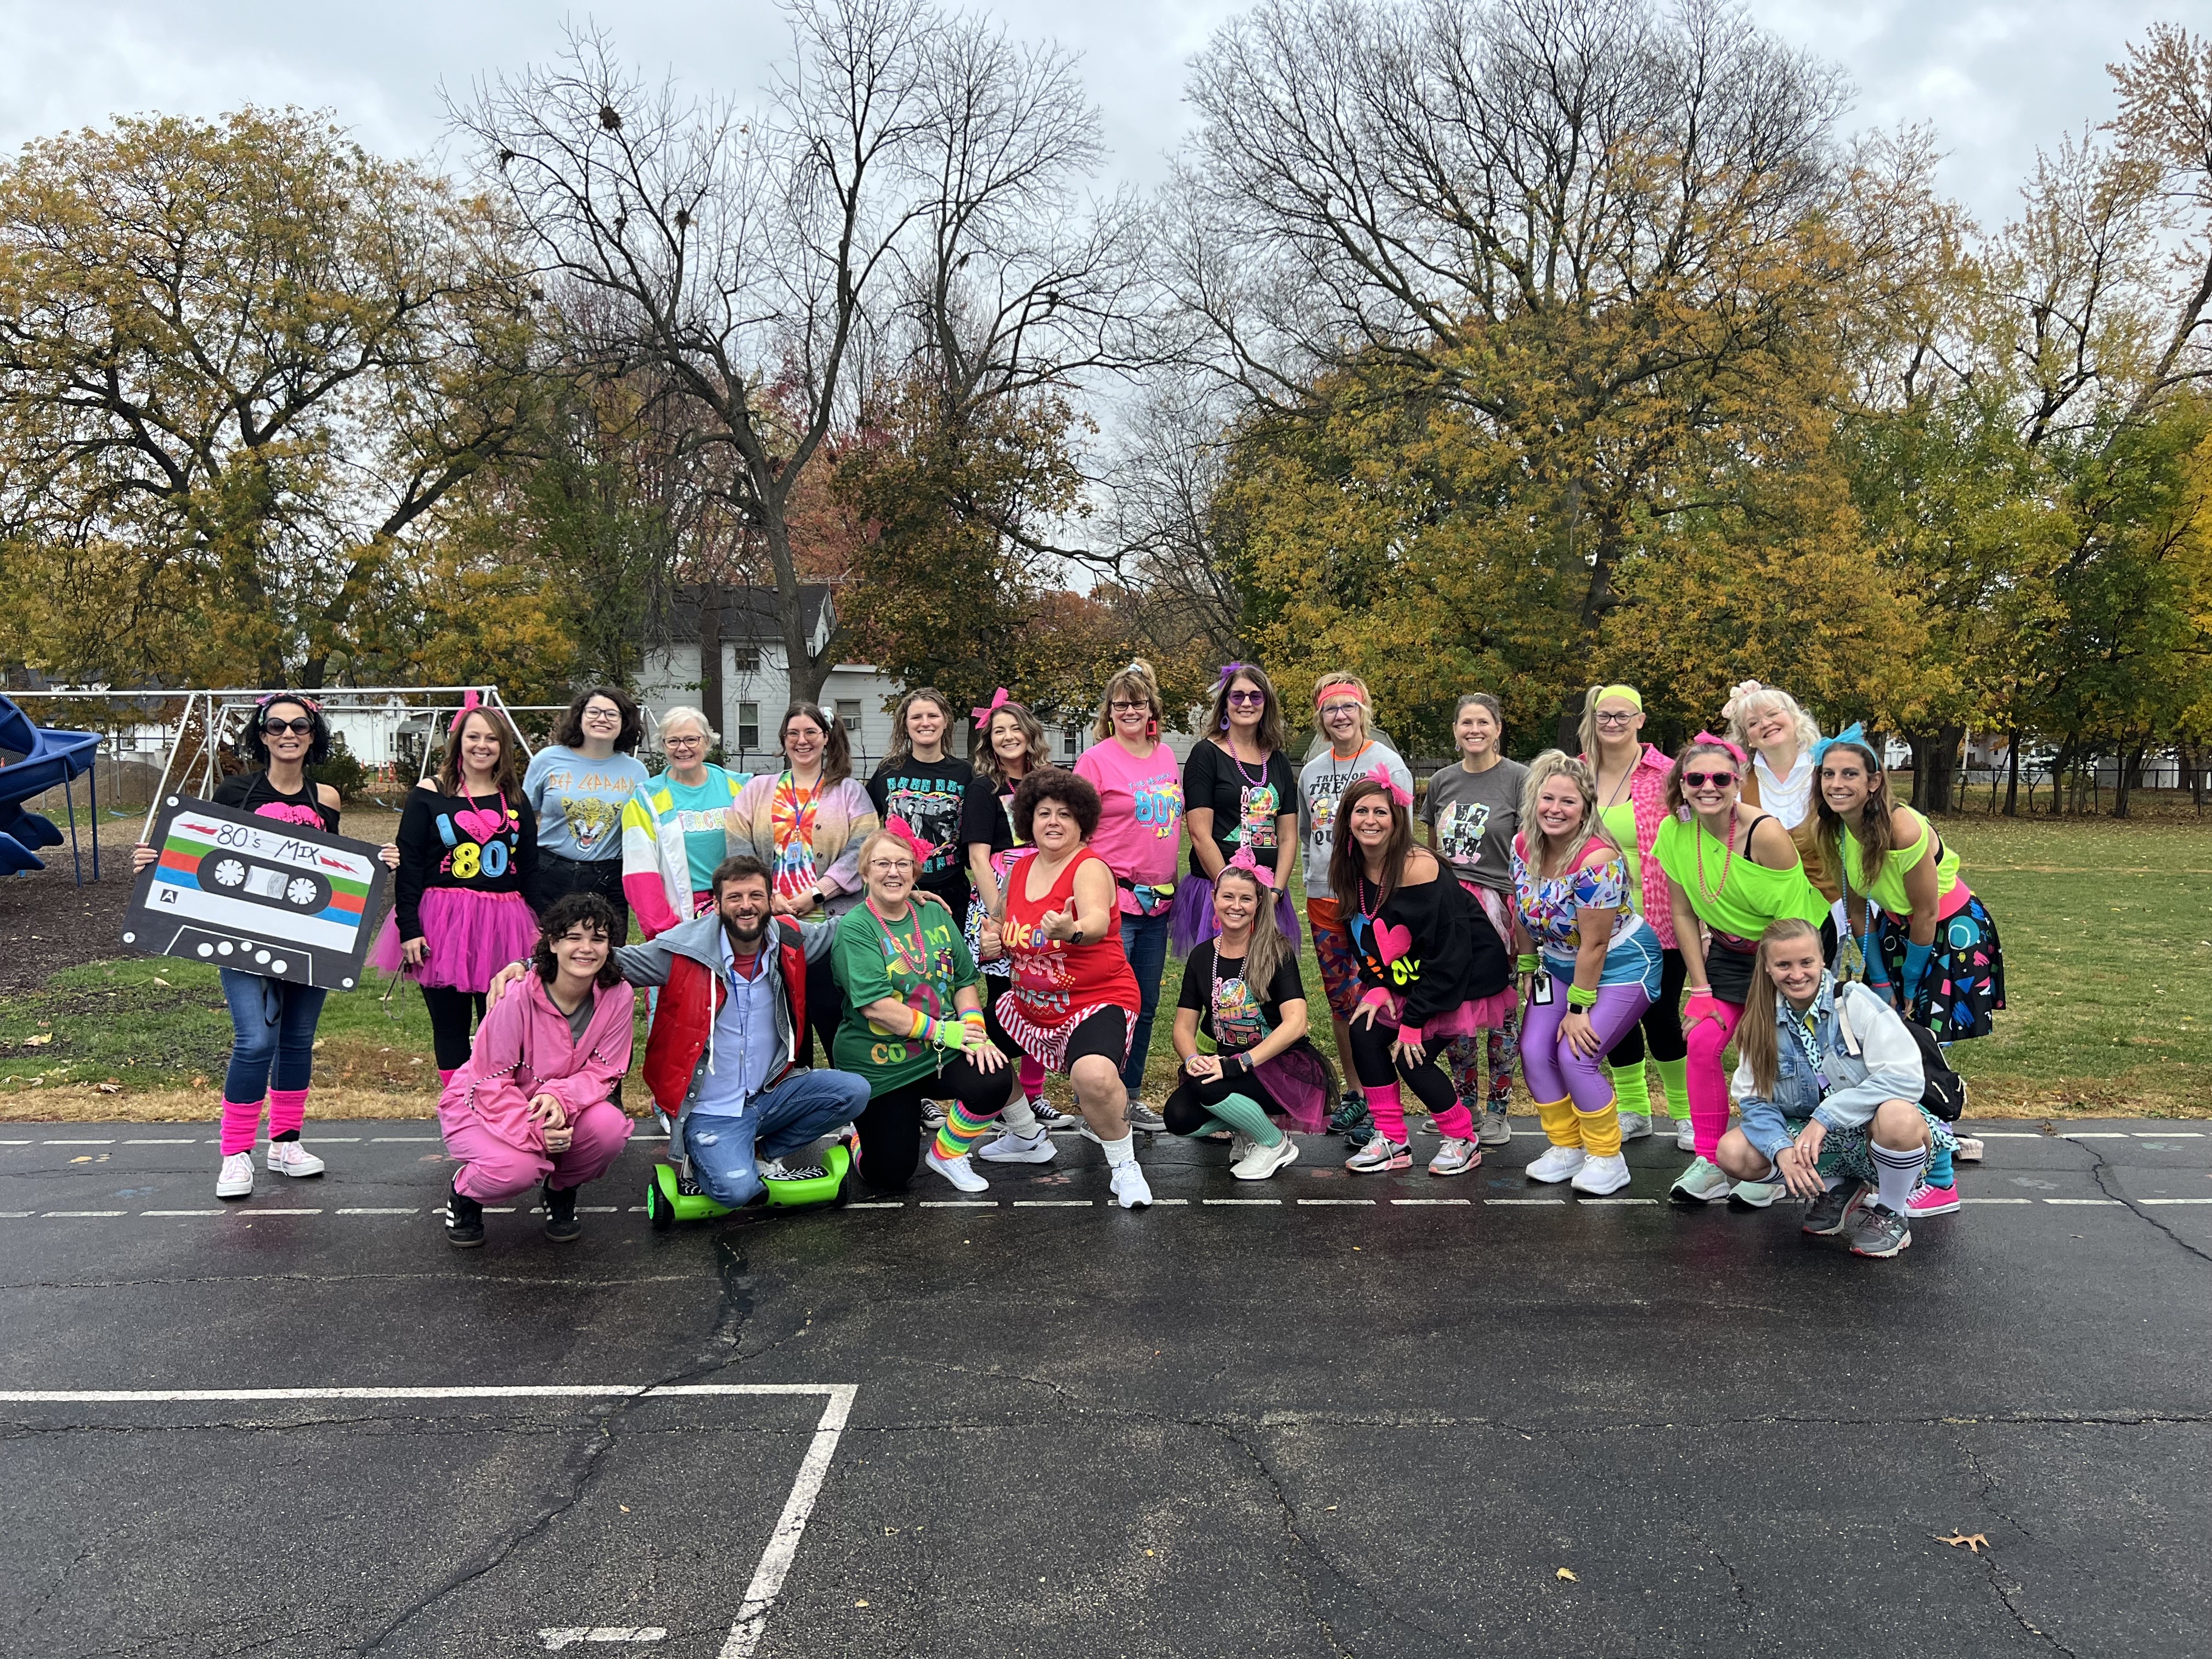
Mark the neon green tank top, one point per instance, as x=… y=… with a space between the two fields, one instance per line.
x=1887 y=887
x=1752 y=896
x=1620 y=821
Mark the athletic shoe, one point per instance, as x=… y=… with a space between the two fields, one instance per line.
x=1496 y=1131
x=1634 y=1125
x=1600 y=1175
x=561 y=1223
x=1049 y=1116
x=1701 y=1183
x=464 y=1222
x=1380 y=1154
x=1352 y=1119
x=1240 y=1145
x=1927 y=1200
x=1556 y=1163
x=1828 y=1214
x=958 y=1170
x=1146 y=1120
x=1686 y=1135
x=1130 y=1188
x=1969 y=1149
x=776 y=1168
x=1011 y=1148
x=1755 y=1195
x=1879 y=1232
x=235 y=1178
x=1455 y=1156
x=933 y=1116
x=289 y=1157
x=1263 y=1161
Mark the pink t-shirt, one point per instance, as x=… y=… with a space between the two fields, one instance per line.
x=1141 y=817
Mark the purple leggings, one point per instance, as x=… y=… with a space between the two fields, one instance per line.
x=1554 y=1071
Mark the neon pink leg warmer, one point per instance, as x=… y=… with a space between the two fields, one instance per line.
x=288 y=1111
x=241 y=1120
x=1389 y=1111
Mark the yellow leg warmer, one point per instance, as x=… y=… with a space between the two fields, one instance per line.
x=1601 y=1130
x=1562 y=1127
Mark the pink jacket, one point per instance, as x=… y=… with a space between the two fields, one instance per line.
x=524 y=1048
x=1647 y=792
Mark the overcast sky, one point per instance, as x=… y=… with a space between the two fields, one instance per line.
x=1996 y=77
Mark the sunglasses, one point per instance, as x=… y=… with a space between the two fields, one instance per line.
x=1709 y=779
x=1248 y=696
x=277 y=728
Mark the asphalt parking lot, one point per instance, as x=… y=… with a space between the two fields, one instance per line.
x=1333 y=1415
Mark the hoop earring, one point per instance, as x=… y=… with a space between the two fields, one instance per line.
x=1224 y=722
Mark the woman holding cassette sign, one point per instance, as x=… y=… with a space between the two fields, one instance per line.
x=273 y=1020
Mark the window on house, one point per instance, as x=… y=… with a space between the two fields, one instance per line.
x=748 y=726
x=746 y=659
x=848 y=715
x=1067 y=741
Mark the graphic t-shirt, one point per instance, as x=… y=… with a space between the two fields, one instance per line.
x=1323 y=780
x=1228 y=1010
x=932 y=796
x=482 y=843
x=1139 y=820
x=923 y=961
x=1474 y=815
x=703 y=814
x=579 y=800
x=1245 y=799
x=251 y=792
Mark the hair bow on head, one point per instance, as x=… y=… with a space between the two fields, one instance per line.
x=1230 y=671
x=922 y=850
x=1736 y=697
x=306 y=702
x=1854 y=734
x=1264 y=874
x=998 y=700
x=1705 y=738
x=470 y=703
x=1380 y=774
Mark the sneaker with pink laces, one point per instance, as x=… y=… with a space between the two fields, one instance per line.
x=1927 y=1200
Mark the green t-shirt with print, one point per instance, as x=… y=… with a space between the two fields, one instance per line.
x=922 y=960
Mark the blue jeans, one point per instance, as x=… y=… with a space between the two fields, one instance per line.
x=725 y=1152
x=1145 y=941
x=274 y=1021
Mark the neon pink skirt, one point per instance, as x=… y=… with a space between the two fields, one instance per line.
x=471 y=935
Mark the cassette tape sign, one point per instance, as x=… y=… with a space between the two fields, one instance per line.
x=236 y=890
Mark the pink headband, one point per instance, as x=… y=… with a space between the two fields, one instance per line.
x=1322 y=694
x=1705 y=739
x=470 y=703
x=983 y=715
x=1251 y=866
x=1379 y=774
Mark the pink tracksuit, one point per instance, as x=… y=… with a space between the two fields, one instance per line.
x=524 y=1048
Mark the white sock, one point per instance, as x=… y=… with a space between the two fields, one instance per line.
x=1020 y=1118
x=1120 y=1152
x=1896 y=1173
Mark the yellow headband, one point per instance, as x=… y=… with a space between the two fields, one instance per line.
x=1626 y=692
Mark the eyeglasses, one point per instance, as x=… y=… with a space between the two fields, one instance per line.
x=890 y=864
x=1130 y=708
x=1248 y=696
x=1709 y=779
x=1617 y=717
x=278 y=728
x=689 y=740
x=601 y=712
x=1328 y=709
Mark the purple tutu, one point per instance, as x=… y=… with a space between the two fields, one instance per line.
x=1191 y=923
x=471 y=936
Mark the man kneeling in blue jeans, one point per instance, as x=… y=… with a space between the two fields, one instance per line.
x=729 y=1056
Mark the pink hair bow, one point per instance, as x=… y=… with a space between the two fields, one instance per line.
x=1704 y=737
x=470 y=703
x=1380 y=773
x=1264 y=874
x=896 y=825
x=998 y=701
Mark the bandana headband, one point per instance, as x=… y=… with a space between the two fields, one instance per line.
x=1338 y=689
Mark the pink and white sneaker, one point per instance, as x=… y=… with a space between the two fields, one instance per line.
x=1927 y=1200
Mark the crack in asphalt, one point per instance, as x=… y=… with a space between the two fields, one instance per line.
x=2100 y=1167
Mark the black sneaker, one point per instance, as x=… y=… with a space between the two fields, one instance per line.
x=464 y=1222
x=1352 y=1121
x=1828 y=1214
x=1049 y=1115
x=561 y=1223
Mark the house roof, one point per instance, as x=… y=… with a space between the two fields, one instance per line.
x=749 y=614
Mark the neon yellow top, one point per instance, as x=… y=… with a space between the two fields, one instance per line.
x=1887 y=887
x=1620 y=821
x=1751 y=895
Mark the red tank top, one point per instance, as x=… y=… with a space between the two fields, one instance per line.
x=1052 y=978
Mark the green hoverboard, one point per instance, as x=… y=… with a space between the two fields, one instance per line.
x=666 y=1204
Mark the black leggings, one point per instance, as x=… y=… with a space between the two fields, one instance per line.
x=1193 y=1101
x=1662 y=1021
x=453 y=1015
x=825 y=1005
x=1373 y=1064
x=890 y=1128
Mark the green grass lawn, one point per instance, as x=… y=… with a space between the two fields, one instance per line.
x=2107 y=929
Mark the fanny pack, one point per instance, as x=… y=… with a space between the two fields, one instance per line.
x=1151 y=895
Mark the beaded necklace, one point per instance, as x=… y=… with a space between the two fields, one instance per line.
x=1710 y=893
x=1246 y=777
x=916 y=961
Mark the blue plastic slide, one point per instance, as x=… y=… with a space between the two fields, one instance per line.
x=31 y=761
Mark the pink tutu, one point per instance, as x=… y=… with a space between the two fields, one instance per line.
x=1488 y=1014
x=471 y=936
x=1191 y=923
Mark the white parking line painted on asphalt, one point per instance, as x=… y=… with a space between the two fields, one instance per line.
x=1362 y=1203
x=17 y=1215
x=16 y=1143
x=879 y=1204
x=1432 y=1200
x=2009 y=1134
x=187 y=1141
x=1524 y=1200
x=959 y=1203
x=181 y=1213
x=2174 y=1201
x=2093 y=1134
x=555 y=1640
x=2081 y=1200
x=1041 y=1204
x=1996 y=1200
x=1584 y=1203
x=404 y=1140
x=1241 y=1200
x=84 y=1212
x=2169 y=1134
x=79 y=1143
x=775 y=1561
x=371 y=1210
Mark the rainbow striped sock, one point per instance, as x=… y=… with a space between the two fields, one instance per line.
x=961 y=1132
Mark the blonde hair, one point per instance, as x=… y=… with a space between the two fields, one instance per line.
x=1597 y=693
x=1135 y=681
x=1351 y=683
x=1757 y=1037
x=1265 y=951
x=1751 y=700
x=867 y=851
x=1557 y=763
x=684 y=714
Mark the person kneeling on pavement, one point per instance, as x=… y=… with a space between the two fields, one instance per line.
x=1829 y=1082
x=532 y=1103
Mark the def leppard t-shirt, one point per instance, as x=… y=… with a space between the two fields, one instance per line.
x=932 y=796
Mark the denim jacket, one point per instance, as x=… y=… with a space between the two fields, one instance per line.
x=1867 y=1057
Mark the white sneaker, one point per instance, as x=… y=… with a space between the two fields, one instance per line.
x=290 y=1157
x=1686 y=1135
x=235 y=1178
x=1130 y=1187
x=1011 y=1148
x=1701 y=1183
x=1634 y=1125
x=1240 y=1147
x=1600 y=1175
x=958 y=1170
x=1755 y=1195
x=1969 y=1150
x=1260 y=1162
x=1558 y=1163
x=1496 y=1131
